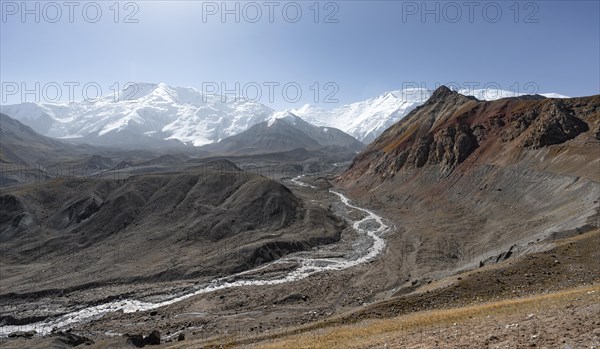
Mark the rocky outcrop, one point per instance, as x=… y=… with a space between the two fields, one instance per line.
x=419 y=152
x=555 y=124
x=138 y=340
x=446 y=148
x=451 y=146
x=71 y=339
x=153 y=338
x=22 y=334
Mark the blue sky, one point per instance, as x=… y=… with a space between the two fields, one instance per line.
x=371 y=47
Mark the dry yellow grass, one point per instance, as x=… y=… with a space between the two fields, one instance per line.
x=467 y=107
x=407 y=133
x=371 y=332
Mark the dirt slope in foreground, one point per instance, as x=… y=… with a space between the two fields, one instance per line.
x=548 y=299
x=552 y=295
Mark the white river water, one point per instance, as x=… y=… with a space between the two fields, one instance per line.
x=297 y=181
x=371 y=226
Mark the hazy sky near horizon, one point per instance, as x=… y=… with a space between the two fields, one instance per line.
x=346 y=50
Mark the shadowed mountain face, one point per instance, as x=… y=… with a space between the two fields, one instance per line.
x=21 y=144
x=284 y=132
x=153 y=227
x=491 y=175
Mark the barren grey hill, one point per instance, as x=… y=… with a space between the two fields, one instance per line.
x=77 y=232
x=284 y=133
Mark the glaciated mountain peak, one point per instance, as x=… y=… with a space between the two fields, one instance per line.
x=143 y=113
x=155 y=113
x=284 y=116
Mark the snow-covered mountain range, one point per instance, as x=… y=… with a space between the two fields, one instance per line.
x=143 y=114
x=158 y=114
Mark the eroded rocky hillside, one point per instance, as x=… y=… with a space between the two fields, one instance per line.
x=450 y=128
x=494 y=177
x=72 y=232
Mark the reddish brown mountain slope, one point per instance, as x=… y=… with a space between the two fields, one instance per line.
x=451 y=128
x=469 y=181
